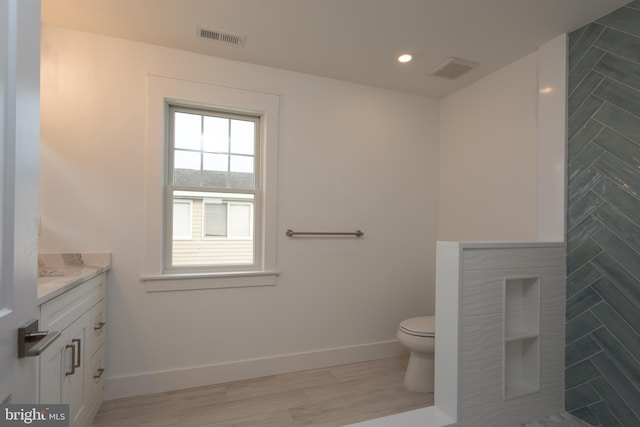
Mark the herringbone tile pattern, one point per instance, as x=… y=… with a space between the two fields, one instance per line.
x=603 y=221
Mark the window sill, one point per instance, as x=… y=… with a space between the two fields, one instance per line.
x=198 y=281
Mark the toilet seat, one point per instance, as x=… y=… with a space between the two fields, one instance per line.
x=423 y=326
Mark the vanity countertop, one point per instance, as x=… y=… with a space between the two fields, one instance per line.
x=59 y=273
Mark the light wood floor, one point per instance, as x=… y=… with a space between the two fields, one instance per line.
x=322 y=397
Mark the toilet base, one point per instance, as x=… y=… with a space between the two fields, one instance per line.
x=419 y=375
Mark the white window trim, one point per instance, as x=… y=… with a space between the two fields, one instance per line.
x=161 y=92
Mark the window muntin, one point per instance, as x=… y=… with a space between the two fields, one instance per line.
x=213 y=158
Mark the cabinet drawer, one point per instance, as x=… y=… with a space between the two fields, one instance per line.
x=95 y=379
x=97 y=327
x=60 y=312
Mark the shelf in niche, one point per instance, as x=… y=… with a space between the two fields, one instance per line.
x=522 y=367
x=520 y=389
x=521 y=306
x=521 y=336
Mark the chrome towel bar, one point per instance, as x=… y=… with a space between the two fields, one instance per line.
x=291 y=233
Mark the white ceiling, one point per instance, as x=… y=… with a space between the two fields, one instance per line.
x=351 y=40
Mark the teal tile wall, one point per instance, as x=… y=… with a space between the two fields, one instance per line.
x=602 y=358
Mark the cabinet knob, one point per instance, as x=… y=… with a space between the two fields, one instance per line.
x=99 y=326
x=100 y=372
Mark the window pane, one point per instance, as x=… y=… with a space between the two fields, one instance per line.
x=216 y=162
x=221 y=230
x=186 y=169
x=239 y=220
x=241 y=164
x=216 y=171
x=187 y=131
x=186 y=160
x=181 y=219
x=215 y=219
x=242 y=137
x=216 y=134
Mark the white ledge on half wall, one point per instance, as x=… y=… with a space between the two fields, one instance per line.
x=424 y=417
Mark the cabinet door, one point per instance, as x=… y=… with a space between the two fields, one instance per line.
x=52 y=363
x=73 y=384
x=61 y=369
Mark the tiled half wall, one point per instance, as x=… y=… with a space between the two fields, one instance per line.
x=602 y=376
x=512 y=310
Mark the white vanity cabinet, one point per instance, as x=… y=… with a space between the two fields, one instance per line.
x=71 y=368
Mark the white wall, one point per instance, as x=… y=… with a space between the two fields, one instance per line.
x=350 y=157
x=488 y=157
x=552 y=137
x=520 y=109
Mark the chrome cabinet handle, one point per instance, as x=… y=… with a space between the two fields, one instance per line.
x=32 y=341
x=79 y=342
x=99 y=326
x=73 y=359
x=100 y=372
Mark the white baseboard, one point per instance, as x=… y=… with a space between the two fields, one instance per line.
x=196 y=376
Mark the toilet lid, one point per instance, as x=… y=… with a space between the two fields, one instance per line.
x=423 y=326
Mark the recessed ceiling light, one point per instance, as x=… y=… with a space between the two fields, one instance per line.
x=405 y=58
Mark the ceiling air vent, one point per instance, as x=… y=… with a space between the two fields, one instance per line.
x=220 y=36
x=453 y=68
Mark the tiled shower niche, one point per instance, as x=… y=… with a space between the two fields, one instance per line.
x=521 y=336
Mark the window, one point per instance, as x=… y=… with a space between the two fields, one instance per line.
x=215 y=217
x=228 y=219
x=239 y=226
x=181 y=219
x=213 y=157
x=228 y=179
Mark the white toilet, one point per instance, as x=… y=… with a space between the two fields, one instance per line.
x=418 y=335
